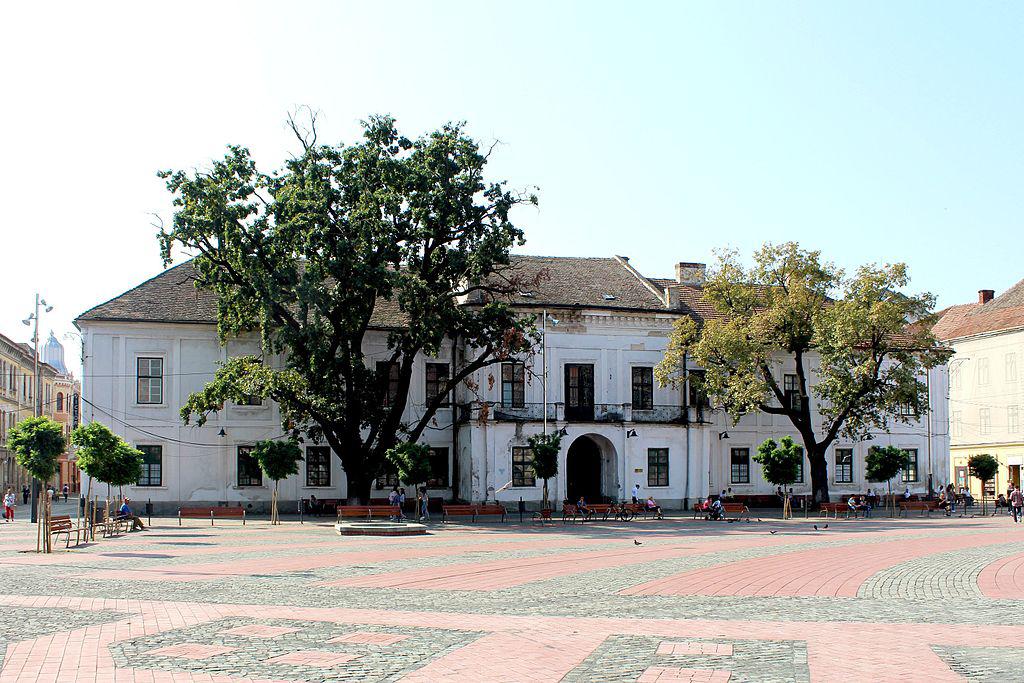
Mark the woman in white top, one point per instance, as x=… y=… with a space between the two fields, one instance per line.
x=9 y=502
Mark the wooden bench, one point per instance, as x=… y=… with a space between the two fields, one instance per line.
x=571 y=513
x=601 y=510
x=543 y=515
x=62 y=524
x=737 y=509
x=473 y=511
x=834 y=508
x=211 y=513
x=369 y=511
x=923 y=506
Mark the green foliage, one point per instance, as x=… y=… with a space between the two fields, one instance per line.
x=545 y=448
x=37 y=442
x=872 y=341
x=780 y=462
x=96 y=448
x=389 y=233
x=105 y=456
x=983 y=467
x=412 y=460
x=278 y=459
x=884 y=463
x=125 y=467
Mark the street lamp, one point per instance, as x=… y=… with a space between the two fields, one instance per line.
x=33 y=319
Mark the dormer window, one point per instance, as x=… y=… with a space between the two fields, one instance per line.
x=609 y=297
x=526 y=295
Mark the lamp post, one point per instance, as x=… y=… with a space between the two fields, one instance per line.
x=37 y=407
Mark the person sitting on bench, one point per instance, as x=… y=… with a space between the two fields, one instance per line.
x=581 y=505
x=652 y=506
x=717 y=511
x=127 y=513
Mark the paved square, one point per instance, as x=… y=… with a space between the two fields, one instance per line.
x=876 y=599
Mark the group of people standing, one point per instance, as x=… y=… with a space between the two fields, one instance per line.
x=397 y=497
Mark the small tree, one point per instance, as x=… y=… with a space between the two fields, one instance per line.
x=125 y=467
x=983 y=467
x=883 y=464
x=780 y=465
x=97 y=446
x=278 y=460
x=37 y=442
x=545 y=448
x=412 y=461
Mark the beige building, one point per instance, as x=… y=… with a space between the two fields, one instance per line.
x=986 y=385
x=18 y=400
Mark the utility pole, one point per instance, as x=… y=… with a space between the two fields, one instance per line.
x=33 y=319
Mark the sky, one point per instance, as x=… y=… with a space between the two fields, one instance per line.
x=873 y=131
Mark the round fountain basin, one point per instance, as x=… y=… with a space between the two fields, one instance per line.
x=370 y=528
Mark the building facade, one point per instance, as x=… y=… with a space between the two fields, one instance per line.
x=986 y=385
x=65 y=404
x=607 y=327
x=18 y=400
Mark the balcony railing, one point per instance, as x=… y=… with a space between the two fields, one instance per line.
x=661 y=414
x=525 y=412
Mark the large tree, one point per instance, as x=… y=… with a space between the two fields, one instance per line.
x=858 y=347
x=388 y=233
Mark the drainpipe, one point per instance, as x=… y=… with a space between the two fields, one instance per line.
x=686 y=424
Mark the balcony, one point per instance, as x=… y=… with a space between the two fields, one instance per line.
x=526 y=412
x=664 y=414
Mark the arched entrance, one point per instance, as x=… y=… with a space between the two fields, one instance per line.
x=583 y=465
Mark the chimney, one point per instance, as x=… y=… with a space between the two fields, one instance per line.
x=986 y=295
x=690 y=273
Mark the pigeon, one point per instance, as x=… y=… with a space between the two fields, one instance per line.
x=773 y=532
x=815 y=527
x=826 y=526
x=636 y=542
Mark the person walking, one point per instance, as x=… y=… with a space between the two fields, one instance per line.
x=401 y=503
x=636 y=494
x=65 y=491
x=424 y=512
x=9 y=501
x=25 y=493
x=1016 y=500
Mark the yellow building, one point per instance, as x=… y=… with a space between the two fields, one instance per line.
x=986 y=385
x=17 y=401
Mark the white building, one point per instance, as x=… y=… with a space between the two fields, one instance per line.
x=148 y=349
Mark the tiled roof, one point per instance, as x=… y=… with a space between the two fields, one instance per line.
x=1005 y=312
x=561 y=281
x=172 y=297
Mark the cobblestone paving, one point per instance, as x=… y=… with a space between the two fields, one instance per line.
x=510 y=602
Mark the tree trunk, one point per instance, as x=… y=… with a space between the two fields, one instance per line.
x=819 y=476
x=545 y=505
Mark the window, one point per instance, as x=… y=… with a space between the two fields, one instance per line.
x=657 y=466
x=910 y=469
x=956 y=426
x=791 y=390
x=318 y=466
x=1012 y=419
x=513 y=384
x=1010 y=367
x=697 y=394
x=844 y=465
x=740 y=466
x=438 y=477
x=954 y=376
x=800 y=472
x=60 y=402
x=643 y=388
x=985 y=419
x=387 y=375
x=437 y=378
x=152 y=466
x=150 y=374
x=249 y=473
x=388 y=480
x=907 y=409
x=983 y=371
x=522 y=467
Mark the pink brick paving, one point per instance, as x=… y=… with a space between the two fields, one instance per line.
x=1003 y=578
x=833 y=572
x=518 y=647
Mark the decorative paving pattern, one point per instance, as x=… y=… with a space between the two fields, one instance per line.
x=283 y=649
x=677 y=600
x=629 y=658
